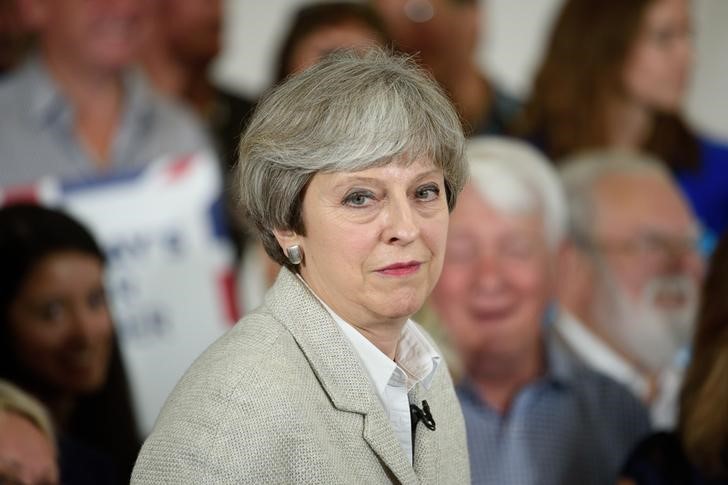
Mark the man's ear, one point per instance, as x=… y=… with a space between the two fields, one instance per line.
x=576 y=277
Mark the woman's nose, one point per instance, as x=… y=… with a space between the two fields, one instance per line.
x=89 y=324
x=402 y=225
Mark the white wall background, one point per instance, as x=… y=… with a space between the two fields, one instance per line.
x=514 y=32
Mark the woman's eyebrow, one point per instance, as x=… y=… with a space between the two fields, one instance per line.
x=353 y=178
x=349 y=179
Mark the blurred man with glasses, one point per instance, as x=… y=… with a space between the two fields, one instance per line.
x=631 y=274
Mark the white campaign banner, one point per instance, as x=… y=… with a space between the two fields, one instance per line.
x=170 y=272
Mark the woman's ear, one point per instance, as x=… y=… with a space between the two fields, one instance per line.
x=290 y=243
x=286 y=239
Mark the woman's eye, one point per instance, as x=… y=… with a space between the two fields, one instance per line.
x=428 y=192
x=667 y=36
x=51 y=312
x=358 y=199
x=97 y=299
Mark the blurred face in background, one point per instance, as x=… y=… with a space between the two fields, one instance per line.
x=496 y=281
x=318 y=44
x=648 y=265
x=60 y=323
x=657 y=70
x=92 y=34
x=192 y=29
x=439 y=31
x=27 y=455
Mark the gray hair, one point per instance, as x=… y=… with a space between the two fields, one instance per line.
x=15 y=401
x=517 y=179
x=349 y=112
x=581 y=173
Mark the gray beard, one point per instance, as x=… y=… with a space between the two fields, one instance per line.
x=652 y=335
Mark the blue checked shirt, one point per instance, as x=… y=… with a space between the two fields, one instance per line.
x=571 y=426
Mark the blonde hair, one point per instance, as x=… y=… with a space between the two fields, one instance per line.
x=14 y=400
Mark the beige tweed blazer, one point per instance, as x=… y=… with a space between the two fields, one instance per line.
x=283 y=398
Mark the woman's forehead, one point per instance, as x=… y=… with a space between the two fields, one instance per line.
x=396 y=169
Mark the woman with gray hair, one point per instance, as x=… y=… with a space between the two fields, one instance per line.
x=348 y=171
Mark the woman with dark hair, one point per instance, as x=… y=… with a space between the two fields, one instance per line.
x=57 y=341
x=697 y=453
x=320 y=28
x=615 y=75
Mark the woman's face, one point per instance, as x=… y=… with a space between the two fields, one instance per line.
x=317 y=45
x=657 y=69
x=60 y=324
x=496 y=281
x=375 y=240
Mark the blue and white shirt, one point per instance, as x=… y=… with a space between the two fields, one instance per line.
x=570 y=426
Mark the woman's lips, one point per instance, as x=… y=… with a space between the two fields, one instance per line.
x=400 y=269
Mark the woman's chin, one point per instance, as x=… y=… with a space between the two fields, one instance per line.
x=403 y=308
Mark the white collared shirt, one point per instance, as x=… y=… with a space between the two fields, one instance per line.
x=596 y=354
x=415 y=362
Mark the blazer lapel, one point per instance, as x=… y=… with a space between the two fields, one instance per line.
x=380 y=437
x=425 y=445
x=337 y=367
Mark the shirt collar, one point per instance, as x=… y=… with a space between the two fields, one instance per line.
x=138 y=97
x=415 y=356
x=560 y=371
x=561 y=368
x=596 y=354
x=415 y=359
x=47 y=103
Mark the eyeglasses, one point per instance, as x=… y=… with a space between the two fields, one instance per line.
x=652 y=249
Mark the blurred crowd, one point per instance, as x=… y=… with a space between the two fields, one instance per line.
x=582 y=302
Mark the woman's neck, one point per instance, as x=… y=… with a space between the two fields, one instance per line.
x=384 y=336
x=61 y=409
x=628 y=124
x=383 y=333
x=60 y=406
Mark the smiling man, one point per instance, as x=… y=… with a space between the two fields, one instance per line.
x=533 y=414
